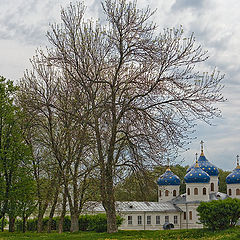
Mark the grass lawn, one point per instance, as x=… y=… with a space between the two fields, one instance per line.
x=230 y=234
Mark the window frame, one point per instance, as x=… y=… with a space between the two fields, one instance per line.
x=130 y=220
x=158 y=220
x=149 y=220
x=139 y=219
x=175 y=219
x=190 y=215
x=212 y=187
x=174 y=193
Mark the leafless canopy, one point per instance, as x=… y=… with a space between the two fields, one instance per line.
x=141 y=87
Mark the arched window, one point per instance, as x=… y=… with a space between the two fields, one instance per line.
x=204 y=191
x=237 y=191
x=195 y=191
x=174 y=193
x=166 y=193
x=160 y=193
x=212 y=186
x=190 y=215
x=230 y=192
x=188 y=191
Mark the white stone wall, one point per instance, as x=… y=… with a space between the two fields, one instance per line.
x=145 y=225
x=214 y=182
x=197 y=197
x=235 y=188
x=170 y=188
x=189 y=217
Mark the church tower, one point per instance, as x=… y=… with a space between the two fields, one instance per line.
x=168 y=185
x=197 y=184
x=233 y=182
x=209 y=168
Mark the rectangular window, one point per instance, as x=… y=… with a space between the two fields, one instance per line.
x=157 y=220
x=148 y=220
x=129 y=220
x=184 y=215
x=166 y=219
x=175 y=220
x=139 y=220
x=190 y=215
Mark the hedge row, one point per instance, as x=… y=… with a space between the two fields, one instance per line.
x=96 y=223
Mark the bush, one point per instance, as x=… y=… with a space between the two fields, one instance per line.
x=96 y=223
x=219 y=214
x=84 y=222
x=32 y=224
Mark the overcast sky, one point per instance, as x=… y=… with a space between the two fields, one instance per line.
x=23 y=26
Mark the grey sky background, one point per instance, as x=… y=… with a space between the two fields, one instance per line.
x=23 y=26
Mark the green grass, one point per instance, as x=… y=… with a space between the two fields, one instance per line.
x=230 y=234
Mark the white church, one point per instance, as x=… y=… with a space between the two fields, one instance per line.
x=175 y=210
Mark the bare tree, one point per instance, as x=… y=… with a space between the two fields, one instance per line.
x=140 y=85
x=49 y=100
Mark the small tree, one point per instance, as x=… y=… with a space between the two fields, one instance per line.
x=219 y=214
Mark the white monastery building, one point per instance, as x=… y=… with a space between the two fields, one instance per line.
x=172 y=209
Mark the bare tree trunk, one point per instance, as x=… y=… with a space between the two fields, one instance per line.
x=74 y=222
x=41 y=213
x=111 y=218
x=53 y=210
x=109 y=203
x=61 y=221
x=3 y=220
x=24 y=224
x=40 y=222
x=11 y=224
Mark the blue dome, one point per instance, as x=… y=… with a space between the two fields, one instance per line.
x=206 y=166
x=196 y=175
x=168 y=178
x=234 y=177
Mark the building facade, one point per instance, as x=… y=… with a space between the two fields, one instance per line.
x=175 y=210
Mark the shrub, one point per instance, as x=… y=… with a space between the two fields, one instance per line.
x=84 y=222
x=32 y=224
x=96 y=223
x=219 y=214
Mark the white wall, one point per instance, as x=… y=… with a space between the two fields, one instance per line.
x=188 y=223
x=199 y=196
x=233 y=188
x=170 y=188
x=214 y=180
x=153 y=225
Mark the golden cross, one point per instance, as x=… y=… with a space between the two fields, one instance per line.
x=202 y=142
x=168 y=160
